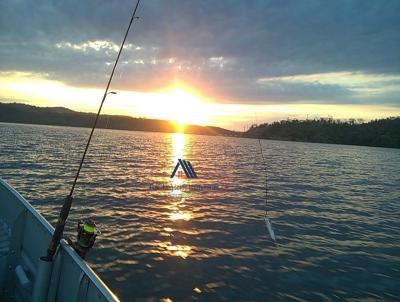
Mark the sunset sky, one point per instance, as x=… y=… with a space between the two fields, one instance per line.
x=223 y=63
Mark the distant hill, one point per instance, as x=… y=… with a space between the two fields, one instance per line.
x=377 y=133
x=27 y=114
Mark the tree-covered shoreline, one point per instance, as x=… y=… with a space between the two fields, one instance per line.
x=376 y=133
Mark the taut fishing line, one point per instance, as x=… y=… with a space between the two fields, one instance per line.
x=267 y=220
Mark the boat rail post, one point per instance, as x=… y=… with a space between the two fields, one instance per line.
x=40 y=287
x=42 y=280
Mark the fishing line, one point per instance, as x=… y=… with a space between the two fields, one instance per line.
x=267 y=221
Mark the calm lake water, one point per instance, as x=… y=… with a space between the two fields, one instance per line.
x=335 y=210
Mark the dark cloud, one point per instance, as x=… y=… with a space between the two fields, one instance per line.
x=223 y=47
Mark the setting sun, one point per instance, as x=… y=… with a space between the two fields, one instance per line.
x=179 y=105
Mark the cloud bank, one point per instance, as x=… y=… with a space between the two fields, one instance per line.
x=331 y=52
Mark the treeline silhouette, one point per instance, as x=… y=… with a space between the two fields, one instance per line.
x=377 y=133
x=60 y=116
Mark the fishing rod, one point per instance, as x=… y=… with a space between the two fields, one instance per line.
x=268 y=223
x=86 y=231
x=55 y=241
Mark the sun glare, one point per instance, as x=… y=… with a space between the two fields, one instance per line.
x=185 y=107
x=179 y=105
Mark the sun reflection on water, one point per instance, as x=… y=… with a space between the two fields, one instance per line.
x=180 y=216
x=178 y=250
x=177 y=211
x=178 y=151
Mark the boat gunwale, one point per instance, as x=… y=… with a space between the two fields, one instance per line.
x=90 y=273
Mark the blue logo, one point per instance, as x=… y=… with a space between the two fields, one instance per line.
x=186 y=167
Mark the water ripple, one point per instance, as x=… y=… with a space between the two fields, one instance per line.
x=334 y=208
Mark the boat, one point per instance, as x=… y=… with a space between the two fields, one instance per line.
x=24 y=235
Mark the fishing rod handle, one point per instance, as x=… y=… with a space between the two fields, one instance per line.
x=58 y=232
